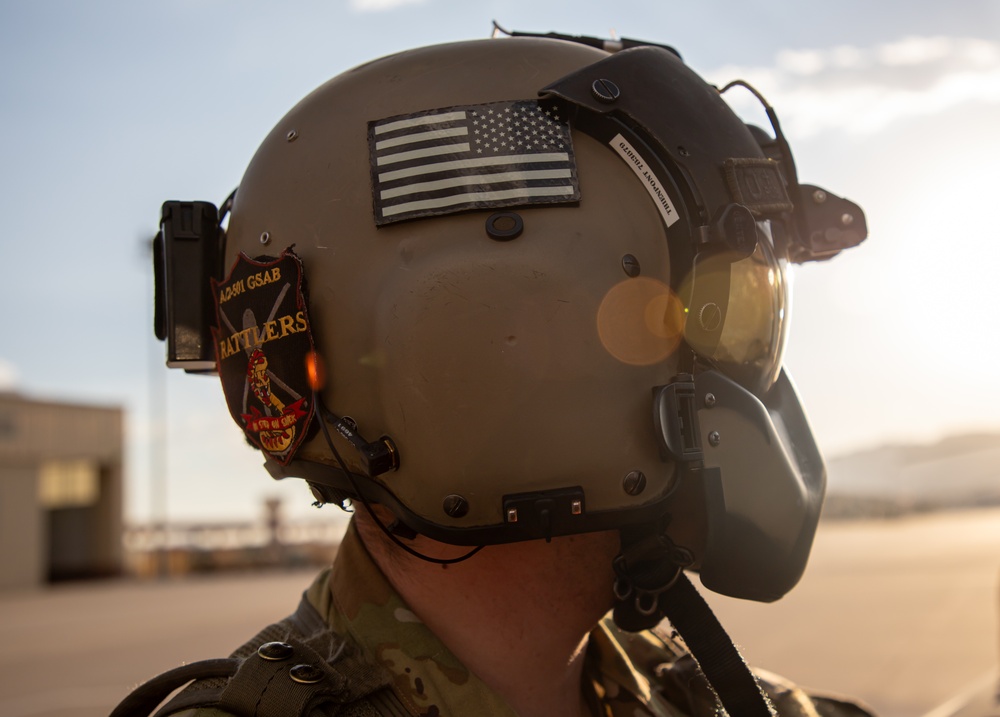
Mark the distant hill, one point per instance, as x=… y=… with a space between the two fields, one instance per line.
x=956 y=472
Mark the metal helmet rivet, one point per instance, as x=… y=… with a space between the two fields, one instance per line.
x=714 y=438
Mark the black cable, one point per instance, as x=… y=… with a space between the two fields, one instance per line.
x=350 y=477
x=786 y=151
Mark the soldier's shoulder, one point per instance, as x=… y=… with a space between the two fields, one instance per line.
x=661 y=656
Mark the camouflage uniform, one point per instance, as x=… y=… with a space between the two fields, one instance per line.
x=625 y=675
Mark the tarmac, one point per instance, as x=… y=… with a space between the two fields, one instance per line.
x=901 y=613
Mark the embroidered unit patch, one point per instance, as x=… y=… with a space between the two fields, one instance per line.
x=449 y=160
x=261 y=344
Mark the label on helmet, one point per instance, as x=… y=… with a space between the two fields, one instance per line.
x=454 y=159
x=649 y=180
x=756 y=183
x=261 y=344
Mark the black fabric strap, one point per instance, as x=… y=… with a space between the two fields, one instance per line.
x=720 y=661
x=147 y=696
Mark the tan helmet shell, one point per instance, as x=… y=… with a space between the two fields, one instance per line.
x=496 y=367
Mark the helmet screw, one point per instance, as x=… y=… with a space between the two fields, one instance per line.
x=292 y=135
x=265 y=238
x=714 y=438
x=710 y=316
x=634 y=483
x=683 y=151
x=847 y=219
x=819 y=196
x=631 y=265
x=709 y=400
x=456 y=506
x=605 y=91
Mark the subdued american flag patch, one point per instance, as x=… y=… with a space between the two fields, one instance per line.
x=449 y=160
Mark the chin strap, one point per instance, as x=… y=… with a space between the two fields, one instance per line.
x=651 y=585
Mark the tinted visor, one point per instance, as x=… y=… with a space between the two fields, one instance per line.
x=737 y=311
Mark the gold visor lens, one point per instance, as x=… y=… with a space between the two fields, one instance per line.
x=737 y=314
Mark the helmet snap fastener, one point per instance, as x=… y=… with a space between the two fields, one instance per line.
x=504 y=226
x=275 y=651
x=714 y=438
x=605 y=91
x=306 y=674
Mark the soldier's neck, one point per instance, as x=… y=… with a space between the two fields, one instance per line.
x=516 y=615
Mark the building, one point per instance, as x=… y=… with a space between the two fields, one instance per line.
x=60 y=491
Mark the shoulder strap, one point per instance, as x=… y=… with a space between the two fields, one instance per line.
x=293 y=668
x=144 y=698
x=718 y=658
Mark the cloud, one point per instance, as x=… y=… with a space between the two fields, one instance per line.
x=381 y=5
x=865 y=89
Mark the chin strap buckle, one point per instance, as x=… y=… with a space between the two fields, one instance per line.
x=645 y=571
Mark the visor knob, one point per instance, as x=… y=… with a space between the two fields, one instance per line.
x=605 y=91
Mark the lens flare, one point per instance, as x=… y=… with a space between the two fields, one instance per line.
x=640 y=321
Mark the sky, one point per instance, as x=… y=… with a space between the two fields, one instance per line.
x=107 y=109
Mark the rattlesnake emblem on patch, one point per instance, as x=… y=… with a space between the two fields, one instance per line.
x=261 y=344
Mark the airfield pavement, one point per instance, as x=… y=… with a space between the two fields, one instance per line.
x=901 y=613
